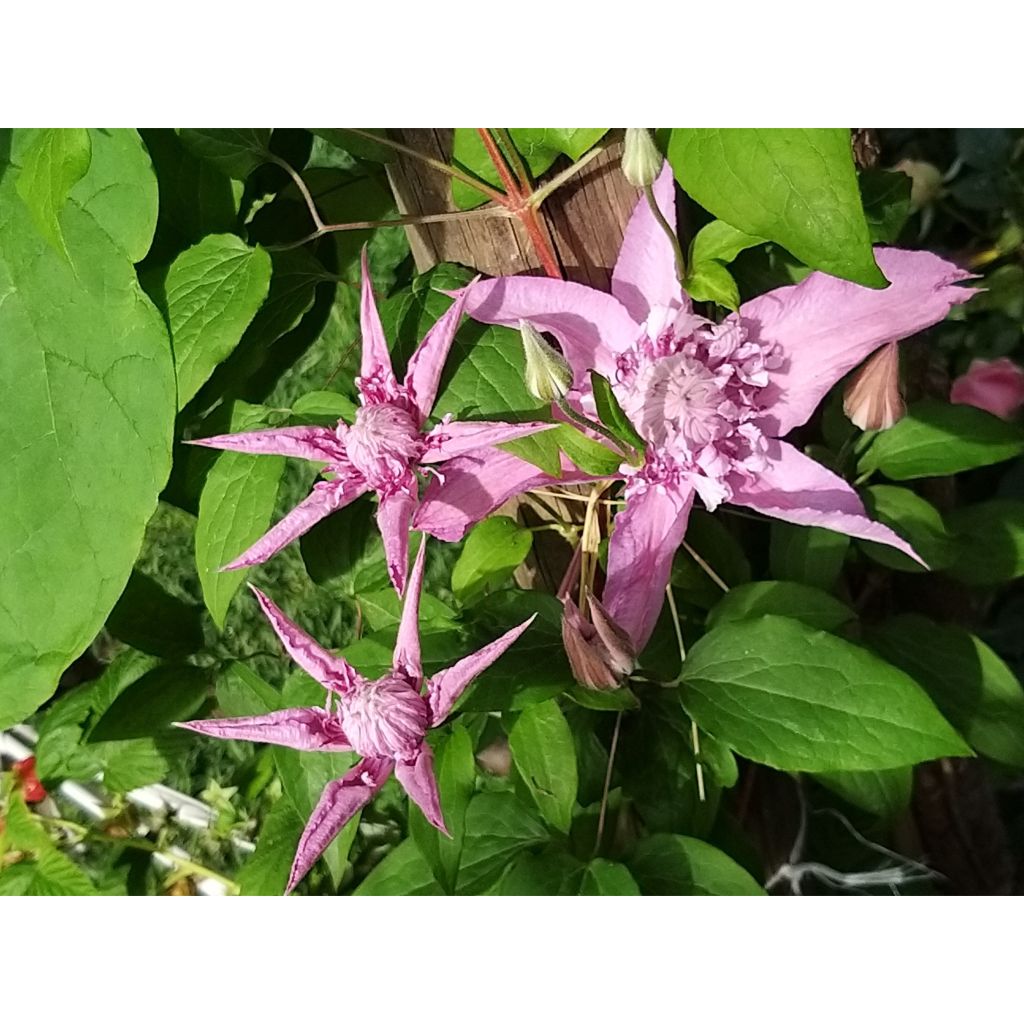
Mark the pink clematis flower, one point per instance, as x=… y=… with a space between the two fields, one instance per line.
x=384 y=720
x=711 y=400
x=997 y=386
x=385 y=446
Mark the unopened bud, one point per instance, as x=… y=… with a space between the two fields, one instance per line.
x=641 y=161
x=872 y=400
x=926 y=184
x=548 y=375
x=600 y=653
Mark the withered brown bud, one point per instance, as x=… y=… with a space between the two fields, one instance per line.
x=872 y=400
x=600 y=653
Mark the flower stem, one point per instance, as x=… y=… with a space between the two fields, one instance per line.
x=505 y=139
x=707 y=568
x=694 y=733
x=607 y=785
x=539 y=195
x=668 y=229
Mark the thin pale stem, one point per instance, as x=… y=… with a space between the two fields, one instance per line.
x=669 y=231
x=707 y=568
x=694 y=734
x=607 y=785
x=301 y=186
x=540 y=194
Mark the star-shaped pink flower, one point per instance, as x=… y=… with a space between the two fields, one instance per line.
x=384 y=720
x=383 y=449
x=711 y=400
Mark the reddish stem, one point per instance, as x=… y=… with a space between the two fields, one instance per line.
x=498 y=159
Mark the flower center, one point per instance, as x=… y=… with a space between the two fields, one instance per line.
x=385 y=717
x=382 y=442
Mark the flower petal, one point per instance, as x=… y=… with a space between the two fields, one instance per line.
x=827 y=326
x=799 y=490
x=407 y=644
x=376 y=359
x=328 y=669
x=645 y=272
x=394 y=514
x=318 y=444
x=298 y=728
x=327 y=497
x=473 y=486
x=427 y=362
x=418 y=780
x=448 y=440
x=340 y=800
x=591 y=326
x=646 y=534
x=445 y=688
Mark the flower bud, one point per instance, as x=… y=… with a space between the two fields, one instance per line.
x=548 y=375
x=872 y=400
x=997 y=386
x=600 y=653
x=926 y=184
x=641 y=161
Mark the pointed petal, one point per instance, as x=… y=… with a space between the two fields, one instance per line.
x=799 y=490
x=427 y=362
x=327 y=497
x=591 y=326
x=340 y=800
x=643 y=542
x=417 y=779
x=645 y=272
x=447 y=685
x=475 y=485
x=376 y=358
x=298 y=728
x=826 y=326
x=394 y=514
x=447 y=440
x=318 y=444
x=328 y=669
x=407 y=643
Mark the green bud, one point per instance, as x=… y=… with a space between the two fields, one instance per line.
x=641 y=161
x=548 y=375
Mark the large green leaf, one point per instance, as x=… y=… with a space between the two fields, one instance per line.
x=807 y=554
x=403 y=872
x=914 y=519
x=234 y=511
x=606 y=878
x=150 y=619
x=940 y=439
x=266 y=871
x=785 y=695
x=808 y=605
x=545 y=756
x=213 y=290
x=666 y=865
x=989 y=542
x=972 y=686
x=85 y=437
x=491 y=552
x=235 y=151
x=885 y=793
x=795 y=186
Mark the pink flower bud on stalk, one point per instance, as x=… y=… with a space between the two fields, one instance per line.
x=873 y=400
x=600 y=652
x=641 y=161
x=997 y=386
x=548 y=376
x=926 y=182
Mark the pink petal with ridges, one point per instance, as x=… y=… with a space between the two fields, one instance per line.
x=406 y=656
x=394 y=514
x=328 y=669
x=827 y=326
x=427 y=362
x=643 y=543
x=340 y=800
x=376 y=358
x=799 y=490
x=448 y=440
x=318 y=444
x=445 y=688
x=418 y=780
x=645 y=272
x=298 y=728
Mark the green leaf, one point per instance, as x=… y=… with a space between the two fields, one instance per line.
x=988 y=542
x=719 y=550
x=328 y=404
x=166 y=694
x=150 y=619
x=403 y=872
x=383 y=608
x=455 y=768
x=592 y=457
x=545 y=756
x=914 y=519
x=235 y=151
x=56 y=159
x=798 y=601
x=971 y=685
x=344 y=552
x=665 y=865
x=367 y=149
x=940 y=439
x=886 y=199
x=550 y=872
x=883 y=793
x=492 y=551
x=266 y=871
x=85 y=437
x=604 y=700
x=785 y=695
x=213 y=291
x=606 y=878
x=807 y=554
x=540 y=450
x=241 y=692
x=711 y=282
x=611 y=413
x=795 y=186
x=235 y=508
x=720 y=242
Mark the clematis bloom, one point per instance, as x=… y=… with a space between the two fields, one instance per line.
x=712 y=401
x=383 y=720
x=385 y=446
x=996 y=385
